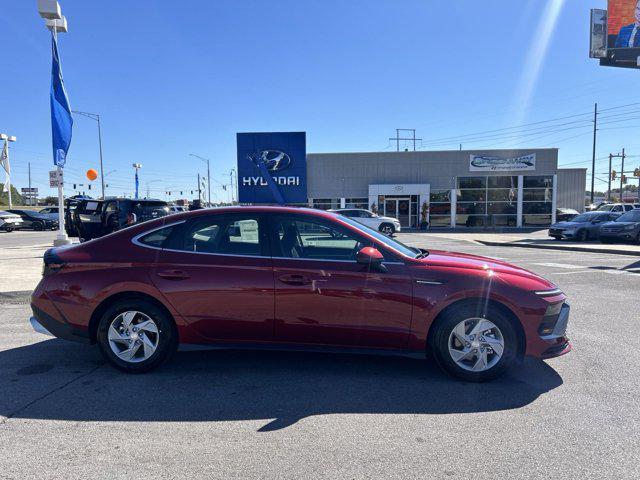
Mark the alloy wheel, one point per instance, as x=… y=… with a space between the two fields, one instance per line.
x=133 y=336
x=476 y=344
x=387 y=230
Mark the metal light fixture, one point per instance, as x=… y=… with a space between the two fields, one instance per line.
x=49 y=9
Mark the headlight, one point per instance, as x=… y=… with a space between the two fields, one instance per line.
x=629 y=227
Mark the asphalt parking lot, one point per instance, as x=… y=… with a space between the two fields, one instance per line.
x=225 y=414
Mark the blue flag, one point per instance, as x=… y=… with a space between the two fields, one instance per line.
x=61 y=121
x=137 y=184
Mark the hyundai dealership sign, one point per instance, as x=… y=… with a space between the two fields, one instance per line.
x=483 y=163
x=272 y=167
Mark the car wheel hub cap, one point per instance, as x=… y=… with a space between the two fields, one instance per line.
x=133 y=336
x=476 y=344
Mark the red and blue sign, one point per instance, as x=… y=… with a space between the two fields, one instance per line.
x=272 y=167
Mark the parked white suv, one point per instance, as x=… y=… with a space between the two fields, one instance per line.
x=386 y=225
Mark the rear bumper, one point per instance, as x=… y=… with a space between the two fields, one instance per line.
x=47 y=325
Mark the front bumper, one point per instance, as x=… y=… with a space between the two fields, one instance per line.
x=557 y=341
x=619 y=236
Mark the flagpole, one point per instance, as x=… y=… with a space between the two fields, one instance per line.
x=8 y=182
x=61 y=238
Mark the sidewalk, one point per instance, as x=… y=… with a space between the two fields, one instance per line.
x=536 y=239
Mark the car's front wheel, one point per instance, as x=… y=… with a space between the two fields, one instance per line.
x=136 y=336
x=472 y=346
x=38 y=226
x=387 y=229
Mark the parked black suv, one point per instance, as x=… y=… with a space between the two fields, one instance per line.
x=96 y=218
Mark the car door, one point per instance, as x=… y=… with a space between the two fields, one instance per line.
x=216 y=272
x=323 y=296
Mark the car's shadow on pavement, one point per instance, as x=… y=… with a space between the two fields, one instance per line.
x=65 y=381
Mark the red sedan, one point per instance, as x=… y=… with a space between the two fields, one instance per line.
x=278 y=277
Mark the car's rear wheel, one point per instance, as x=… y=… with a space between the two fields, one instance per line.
x=136 y=336
x=472 y=346
x=387 y=229
x=8 y=228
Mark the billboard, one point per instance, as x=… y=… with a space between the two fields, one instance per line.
x=623 y=24
x=484 y=163
x=272 y=167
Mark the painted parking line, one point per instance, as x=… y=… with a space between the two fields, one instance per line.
x=560 y=265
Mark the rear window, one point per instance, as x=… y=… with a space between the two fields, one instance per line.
x=90 y=207
x=147 y=207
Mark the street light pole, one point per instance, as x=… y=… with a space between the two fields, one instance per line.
x=137 y=166
x=208 y=176
x=96 y=117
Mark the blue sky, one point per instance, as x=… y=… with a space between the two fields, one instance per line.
x=173 y=78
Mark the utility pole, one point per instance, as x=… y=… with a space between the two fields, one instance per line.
x=609 y=187
x=30 y=195
x=622 y=176
x=199 y=195
x=593 y=162
x=412 y=138
x=207 y=161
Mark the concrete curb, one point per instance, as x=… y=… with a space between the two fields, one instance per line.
x=559 y=247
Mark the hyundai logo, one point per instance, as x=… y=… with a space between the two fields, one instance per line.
x=275 y=160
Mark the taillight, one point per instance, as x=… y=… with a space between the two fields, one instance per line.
x=52 y=263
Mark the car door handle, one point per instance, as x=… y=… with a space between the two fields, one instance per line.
x=295 y=279
x=174 y=275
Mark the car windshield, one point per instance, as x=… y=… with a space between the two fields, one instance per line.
x=584 y=218
x=631 y=216
x=388 y=241
x=147 y=207
x=605 y=208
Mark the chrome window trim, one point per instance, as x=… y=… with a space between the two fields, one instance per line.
x=429 y=282
x=136 y=240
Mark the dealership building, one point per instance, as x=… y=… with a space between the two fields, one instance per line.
x=460 y=188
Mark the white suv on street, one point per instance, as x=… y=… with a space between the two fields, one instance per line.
x=386 y=225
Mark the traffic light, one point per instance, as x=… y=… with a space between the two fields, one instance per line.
x=636 y=172
x=614 y=175
x=624 y=179
x=89 y=186
x=75 y=187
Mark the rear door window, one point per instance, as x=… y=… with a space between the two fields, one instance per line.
x=240 y=235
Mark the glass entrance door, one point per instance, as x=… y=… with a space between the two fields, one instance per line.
x=399 y=208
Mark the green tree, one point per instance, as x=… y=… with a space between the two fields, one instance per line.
x=16 y=198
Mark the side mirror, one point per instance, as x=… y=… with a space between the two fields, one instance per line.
x=370 y=257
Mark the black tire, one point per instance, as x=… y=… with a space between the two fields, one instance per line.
x=8 y=229
x=439 y=341
x=38 y=226
x=583 y=235
x=167 y=335
x=387 y=229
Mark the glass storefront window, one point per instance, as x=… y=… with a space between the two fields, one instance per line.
x=538 y=182
x=503 y=182
x=357 y=203
x=504 y=195
x=472 y=208
x=502 y=208
x=440 y=221
x=326 y=203
x=472 y=182
x=472 y=195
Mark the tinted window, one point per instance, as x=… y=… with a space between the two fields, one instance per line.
x=312 y=239
x=631 y=216
x=227 y=235
x=157 y=238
